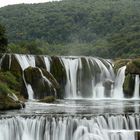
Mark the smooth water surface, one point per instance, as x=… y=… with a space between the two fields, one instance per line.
x=75 y=107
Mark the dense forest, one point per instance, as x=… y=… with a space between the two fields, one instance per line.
x=105 y=28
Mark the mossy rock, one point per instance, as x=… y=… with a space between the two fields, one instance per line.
x=5 y=64
x=128 y=86
x=32 y=74
x=57 y=69
x=120 y=63
x=23 y=90
x=51 y=78
x=39 y=60
x=47 y=99
x=7 y=103
x=15 y=67
x=42 y=82
x=133 y=67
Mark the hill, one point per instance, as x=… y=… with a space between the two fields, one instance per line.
x=107 y=28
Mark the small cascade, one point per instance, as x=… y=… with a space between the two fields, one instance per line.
x=30 y=92
x=29 y=89
x=25 y=60
x=112 y=127
x=137 y=87
x=47 y=63
x=71 y=66
x=118 y=89
x=1 y=59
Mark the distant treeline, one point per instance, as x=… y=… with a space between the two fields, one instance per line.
x=106 y=28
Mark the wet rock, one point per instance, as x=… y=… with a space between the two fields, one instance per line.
x=42 y=82
x=40 y=62
x=15 y=67
x=84 y=78
x=133 y=67
x=58 y=71
x=120 y=63
x=128 y=86
x=5 y=64
x=7 y=103
x=108 y=83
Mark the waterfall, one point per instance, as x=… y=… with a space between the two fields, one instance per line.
x=136 y=88
x=119 y=127
x=118 y=90
x=79 y=77
x=71 y=66
x=47 y=63
x=25 y=61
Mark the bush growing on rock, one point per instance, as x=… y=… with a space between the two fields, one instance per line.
x=47 y=99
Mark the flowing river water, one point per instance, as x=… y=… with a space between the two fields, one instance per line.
x=73 y=120
x=94 y=105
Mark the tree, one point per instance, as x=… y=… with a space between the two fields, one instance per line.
x=3 y=40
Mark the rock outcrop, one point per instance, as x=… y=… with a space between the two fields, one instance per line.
x=132 y=69
x=41 y=81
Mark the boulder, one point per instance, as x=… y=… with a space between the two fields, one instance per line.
x=41 y=81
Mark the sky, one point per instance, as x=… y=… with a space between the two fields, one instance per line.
x=10 y=2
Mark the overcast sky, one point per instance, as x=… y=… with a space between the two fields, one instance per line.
x=10 y=2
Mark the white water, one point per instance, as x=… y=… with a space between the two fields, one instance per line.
x=47 y=63
x=70 y=128
x=99 y=91
x=25 y=60
x=30 y=92
x=136 y=88
x=104 y=83
x=118 y=89
x=71 y=66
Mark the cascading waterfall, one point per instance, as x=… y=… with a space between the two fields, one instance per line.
x=106 y=75
x=119 y=127
x=86 y=77
x=71 y=66
x=136 y=88
x=80 y=77
x=118 y=90
x=25 y=61
x=47 y=63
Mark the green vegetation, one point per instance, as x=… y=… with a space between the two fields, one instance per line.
x=9 y=91
x=3 y=40
x=106 y=28
x=48 y=99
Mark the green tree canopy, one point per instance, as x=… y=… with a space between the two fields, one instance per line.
x=3 y=40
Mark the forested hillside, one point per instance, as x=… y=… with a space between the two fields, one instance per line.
x=107 y=28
